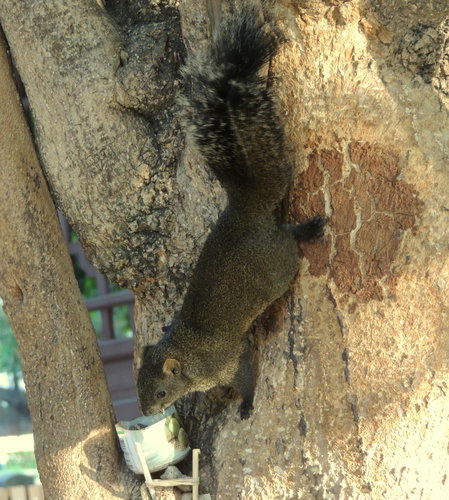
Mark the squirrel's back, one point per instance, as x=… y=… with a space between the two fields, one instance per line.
x=249 y=258
x=234 y=116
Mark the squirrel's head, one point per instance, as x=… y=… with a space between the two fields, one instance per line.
x=160 y=381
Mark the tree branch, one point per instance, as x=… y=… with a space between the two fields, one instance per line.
x=66 y=387
x=68 y=54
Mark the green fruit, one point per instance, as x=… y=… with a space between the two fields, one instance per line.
x=173 y=426
x=183 y=440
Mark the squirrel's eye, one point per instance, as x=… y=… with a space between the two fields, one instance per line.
x=161 y=394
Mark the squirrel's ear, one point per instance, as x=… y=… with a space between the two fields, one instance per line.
x=171 y=367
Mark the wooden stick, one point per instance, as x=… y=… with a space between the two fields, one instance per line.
x=195 y=473
x=151 y=483
x=146 y=472
x=174 y=482
x=143 y=463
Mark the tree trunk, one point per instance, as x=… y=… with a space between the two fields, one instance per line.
x=351 y=400
x=76 y=449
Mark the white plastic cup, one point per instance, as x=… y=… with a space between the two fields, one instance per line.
x=162 y=438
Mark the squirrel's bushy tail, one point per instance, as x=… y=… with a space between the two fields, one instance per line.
x=234 y=118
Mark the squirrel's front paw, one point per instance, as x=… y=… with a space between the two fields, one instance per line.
x=310 y=230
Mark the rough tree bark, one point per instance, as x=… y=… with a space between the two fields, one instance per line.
x=352 y=397
x=66 y=387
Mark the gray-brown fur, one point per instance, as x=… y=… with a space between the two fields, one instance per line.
x=249 y=258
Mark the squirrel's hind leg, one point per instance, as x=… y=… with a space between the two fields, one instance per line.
x=313 y=228
x=246 y=407
x=245 y=383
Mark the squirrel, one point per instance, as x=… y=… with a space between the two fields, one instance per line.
x=250 y=257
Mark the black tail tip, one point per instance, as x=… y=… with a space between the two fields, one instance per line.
x=246 y=41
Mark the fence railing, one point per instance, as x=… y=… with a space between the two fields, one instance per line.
x=31 y=492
